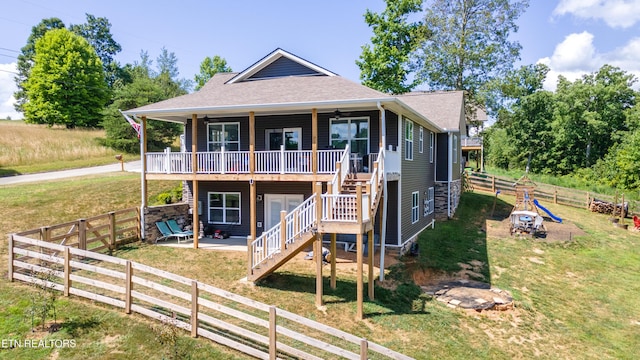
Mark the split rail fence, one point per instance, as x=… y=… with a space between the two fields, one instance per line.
x=545 y=192
x=254 y=328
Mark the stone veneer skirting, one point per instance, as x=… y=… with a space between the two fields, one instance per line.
x=153 y=214
x=441 y=198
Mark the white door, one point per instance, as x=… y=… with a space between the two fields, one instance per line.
x=274 y=203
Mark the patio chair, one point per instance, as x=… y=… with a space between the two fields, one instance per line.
x=636 y=222
x=175 y=228
x=168 y=234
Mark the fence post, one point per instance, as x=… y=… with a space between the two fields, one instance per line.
x=67 y=270
x=493 y=183
x=112 y=230
x=10 y=268
x=283 y=230
x=364 y=349
x=249 y=256
x=273 y=351
x=555 y=195
x=589 y=200
x=127 y=287
x=45 y=233
x=82 y=234
x=194 y=308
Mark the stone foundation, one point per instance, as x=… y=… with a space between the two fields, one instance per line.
x=152 y=214
x=440 y=201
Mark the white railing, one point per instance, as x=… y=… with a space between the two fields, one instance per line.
x=376 y=177
x=339 y=207
x=300 y=220
x=237 y=162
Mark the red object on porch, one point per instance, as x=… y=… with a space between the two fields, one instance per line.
x=636 y=222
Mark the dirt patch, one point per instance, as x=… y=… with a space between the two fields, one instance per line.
x=556 y=232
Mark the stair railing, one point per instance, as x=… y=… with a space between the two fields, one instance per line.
x=374 y=184
x=300 y=220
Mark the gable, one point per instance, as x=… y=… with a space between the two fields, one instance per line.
x=283 y=67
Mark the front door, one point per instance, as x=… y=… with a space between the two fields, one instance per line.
x=291 y=138
x=274 y=203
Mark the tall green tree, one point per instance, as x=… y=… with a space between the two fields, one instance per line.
x=209 y=67
x=26 y=57
x=66 y=85
x=97 y=31
x=386 y=65
x=167 y=64
x=469 y=43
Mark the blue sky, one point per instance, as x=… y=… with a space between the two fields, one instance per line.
x=572 y=36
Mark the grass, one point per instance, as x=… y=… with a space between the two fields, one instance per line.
x=29 y=148
x=580 y=302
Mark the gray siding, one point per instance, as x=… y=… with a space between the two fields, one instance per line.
x=417 y=175
x=203 y=129
x=280 y=122
x=392 y=129
x=392 y=215
x=283 y=67
x=456 y=170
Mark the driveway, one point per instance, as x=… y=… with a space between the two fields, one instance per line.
x=132 y=166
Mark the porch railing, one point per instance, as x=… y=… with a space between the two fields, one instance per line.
x=237 y=162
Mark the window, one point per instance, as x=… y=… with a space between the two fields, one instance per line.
x=408 y=140
x=415 y=215
x=223 y=134
x=429 y=202
x=352 y=131
x=432 y=141
x=455 y=149
x=421 y=141
x=224 y=208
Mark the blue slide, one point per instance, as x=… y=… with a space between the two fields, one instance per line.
x=536 y=203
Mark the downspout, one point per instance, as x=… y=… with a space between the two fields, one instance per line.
x=449 y=175
x=143 y=183
x=385 y=195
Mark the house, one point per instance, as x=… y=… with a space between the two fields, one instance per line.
x=286 y=150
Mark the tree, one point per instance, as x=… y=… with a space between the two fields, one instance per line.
x=167 y=63
x=469 y=43
x=387 y=66
x=26 y=57
x=97 y=31
x=66 y=85
x=209 y=67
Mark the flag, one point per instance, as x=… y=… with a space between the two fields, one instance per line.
x=132 y=122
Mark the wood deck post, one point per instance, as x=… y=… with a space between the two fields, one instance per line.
x=273 y=351
x=359 y=203
x=67 y=270
x=371 y=248
x=314 y=141
x=318 y=203
x=329 y=208
x=253 y=203
x=252 y=142
x=283 y=230
x=194 y=308
x=333 y=261
x=249 y=256
x=317 y=254
x=195 y=218
x=360 y=285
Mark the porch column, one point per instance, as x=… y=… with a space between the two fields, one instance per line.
x=143 y=174
x=314 y=141
x=252 y=142
x=317 y=252
x=252 y=207
x=194 y=167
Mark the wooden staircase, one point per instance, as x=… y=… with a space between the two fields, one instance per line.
x=279 y=258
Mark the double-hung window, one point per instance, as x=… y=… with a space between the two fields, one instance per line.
x=429 y=202
x=415 y=207
x=408 y=140
x=352 y=131
x=455 y=149
x=224 y=208
x=223 y=134
x=421 y=140
x=432 y=141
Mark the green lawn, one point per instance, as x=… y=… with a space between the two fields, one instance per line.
x=577 y=299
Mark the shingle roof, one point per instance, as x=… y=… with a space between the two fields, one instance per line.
x=444 y=108
x=285 y=90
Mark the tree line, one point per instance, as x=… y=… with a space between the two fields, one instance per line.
x=69 y=76
x=587 y=128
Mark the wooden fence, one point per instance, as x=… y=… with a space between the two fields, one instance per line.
x=546 y=192
x=97 y=233
x=254 y=328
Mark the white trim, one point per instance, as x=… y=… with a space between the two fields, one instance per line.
x=224 y=207
x=350 y=119
x=406 y=140
x=269 y=59
x=421 y=140
x=223 y=141
x=415 y=207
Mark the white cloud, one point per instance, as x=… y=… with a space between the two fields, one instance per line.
x=615 y=13
x=576 y=56
x=7 y=88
